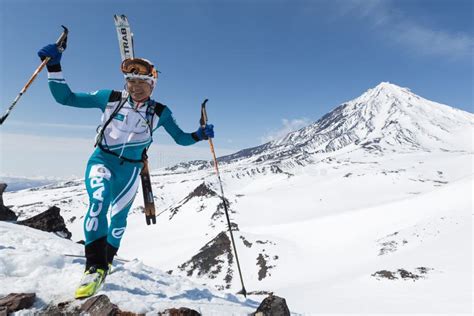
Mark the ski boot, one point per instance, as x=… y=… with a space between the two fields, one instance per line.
x=91 y=282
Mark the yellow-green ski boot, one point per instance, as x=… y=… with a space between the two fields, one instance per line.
x=90 y=283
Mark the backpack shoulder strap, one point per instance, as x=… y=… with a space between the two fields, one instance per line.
x=150 y=114
x=100 y=135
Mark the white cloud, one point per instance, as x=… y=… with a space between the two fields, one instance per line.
x=400 y=29
x=429 y=41
x=288 y=127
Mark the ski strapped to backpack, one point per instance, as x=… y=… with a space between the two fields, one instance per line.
x=148 y=198
x=125 y=36
x=125 y=39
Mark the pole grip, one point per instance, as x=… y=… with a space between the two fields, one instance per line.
x=62 y=38
x=203 y=120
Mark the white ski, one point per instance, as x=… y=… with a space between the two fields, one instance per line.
x=125 y=36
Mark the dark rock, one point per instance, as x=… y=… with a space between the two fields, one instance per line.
x=48 y=221
x=263 y=292
x=262 y=262
x=99 y=305
x=423 y=270
x=385 y=274
x=404 y=274
x=247 y=243
x=272 y=306
x=209 y=261
x=182 y=311
x=6 y=214
x=62 y=309
x=95 y=306
x=201 y=190
x=17 y=301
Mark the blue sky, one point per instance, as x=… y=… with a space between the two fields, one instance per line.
x=267 y=67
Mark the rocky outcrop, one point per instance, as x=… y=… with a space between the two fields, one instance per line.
x=48 y=221
x=99 y=305
x=272 y=306
x=212 y=259
x=183 y=311
x=201 y=191
x=6 y=214
x=16 y=301
x=402 y=274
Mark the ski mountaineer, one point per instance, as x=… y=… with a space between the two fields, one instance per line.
x=129 y=118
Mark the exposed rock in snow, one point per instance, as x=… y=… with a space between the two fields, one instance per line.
x=6 y=214
x=420 y=273
x=16 y=301
x=48 y=221
x=273 y=305
x=214 y=259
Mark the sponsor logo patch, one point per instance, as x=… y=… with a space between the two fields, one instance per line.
x=118 y=232
x=119 y=117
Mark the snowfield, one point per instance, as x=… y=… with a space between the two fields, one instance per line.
x=366 y=211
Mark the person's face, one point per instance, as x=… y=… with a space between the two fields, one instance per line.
x=140 y=90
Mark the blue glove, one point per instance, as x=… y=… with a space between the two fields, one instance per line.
x=205 y=132
x=51 y=51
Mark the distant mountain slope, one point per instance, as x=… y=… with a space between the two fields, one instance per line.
x=17 y=183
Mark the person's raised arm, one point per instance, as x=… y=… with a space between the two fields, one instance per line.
x=60 y=89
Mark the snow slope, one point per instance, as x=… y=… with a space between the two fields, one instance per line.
x=382 y=183
x=34 y=261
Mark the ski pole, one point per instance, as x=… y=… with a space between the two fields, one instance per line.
x=33 y=77
x=203 y=122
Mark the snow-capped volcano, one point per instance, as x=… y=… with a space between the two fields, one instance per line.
x=385 y=118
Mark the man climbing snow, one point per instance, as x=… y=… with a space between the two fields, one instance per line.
x=112 y=175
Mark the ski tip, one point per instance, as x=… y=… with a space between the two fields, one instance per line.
x=120 y=17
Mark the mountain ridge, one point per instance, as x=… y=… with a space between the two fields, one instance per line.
x=386 y=117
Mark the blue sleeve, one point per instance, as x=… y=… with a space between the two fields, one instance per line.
x=170 y=125
x=63 y=94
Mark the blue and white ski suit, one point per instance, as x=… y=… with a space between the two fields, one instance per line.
x=111 y=177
